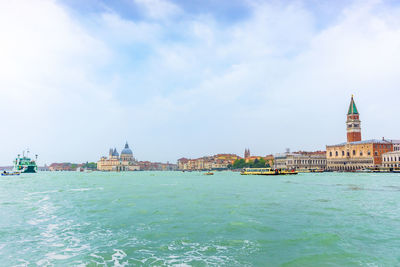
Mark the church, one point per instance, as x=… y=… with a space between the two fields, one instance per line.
x=356 y=154
x=116 y=162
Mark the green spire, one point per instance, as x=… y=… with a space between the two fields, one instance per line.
x=352 y=107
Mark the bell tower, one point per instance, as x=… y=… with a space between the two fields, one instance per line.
x=246 y=153
x=353 y=123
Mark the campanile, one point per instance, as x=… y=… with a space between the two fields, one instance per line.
x=353 y=123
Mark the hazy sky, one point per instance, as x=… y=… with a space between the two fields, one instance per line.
x=193 y=78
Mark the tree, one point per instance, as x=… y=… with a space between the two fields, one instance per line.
x=239 y=164
x=261 y=163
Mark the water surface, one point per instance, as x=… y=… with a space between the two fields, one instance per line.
x=190 y=219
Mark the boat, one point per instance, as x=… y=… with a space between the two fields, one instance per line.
x=267 y=171
x=5 y=173
x=379 y=169
x=363 y=171
x=25 y=164
x=209 y=173
x=309 y=170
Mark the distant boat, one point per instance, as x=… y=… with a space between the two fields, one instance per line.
x=5 y=173
x=25 y=164
x=267 y=171
x=209 y=173
x=309 y=170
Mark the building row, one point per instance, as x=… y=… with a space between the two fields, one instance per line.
x=126 y=162
x=221 y=161
x=356 y=154
x=216 y=162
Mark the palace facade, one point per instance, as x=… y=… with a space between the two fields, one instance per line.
x=356 y=154
x=391 y=159
x=115 y=162
x=301 y=160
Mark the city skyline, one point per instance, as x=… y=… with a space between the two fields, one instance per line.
x=181 y=79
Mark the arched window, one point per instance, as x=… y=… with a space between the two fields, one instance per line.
x=354 y=152
x=337 y=153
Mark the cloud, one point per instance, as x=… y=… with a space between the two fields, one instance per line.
x=48 y=81
x=278 y=71
x=178 y=84
x=159 y=9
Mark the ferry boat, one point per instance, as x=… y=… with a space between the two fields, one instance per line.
x=267 y=171
x=25 y=164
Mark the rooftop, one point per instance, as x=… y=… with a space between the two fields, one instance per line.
x=374 y=141
x=126 y=150
x=391 y=153
x=352 y=107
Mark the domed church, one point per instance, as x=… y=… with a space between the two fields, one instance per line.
x=126 y=153
x=115 y=162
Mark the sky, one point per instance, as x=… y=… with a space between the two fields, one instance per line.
x=193 y=78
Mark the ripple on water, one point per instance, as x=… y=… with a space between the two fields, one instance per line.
x=205 y=225
x=322 y=200
x=314 y=239
x=330 y=259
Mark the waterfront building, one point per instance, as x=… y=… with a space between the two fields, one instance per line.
x=42 y=168
x=156 y=166
x=65 y=166
x=115 y=162
x=216 y=162
x=301 y=160
x=391 y=159
x=269 y=159
x=396 y=144
x=280 y=160
x=356 y=154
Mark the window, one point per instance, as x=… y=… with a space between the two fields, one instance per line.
x=369 y=153
x=361 y=153
x=337 y=153
x=348 y=154
x=354 y=152
x=342 y=152
x=376 y=153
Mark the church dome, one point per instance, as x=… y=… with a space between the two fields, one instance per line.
x=126 y=150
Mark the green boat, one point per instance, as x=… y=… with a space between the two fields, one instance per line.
x=25 y=164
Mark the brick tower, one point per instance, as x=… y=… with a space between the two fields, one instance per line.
x=353 y=123
x=246 y=153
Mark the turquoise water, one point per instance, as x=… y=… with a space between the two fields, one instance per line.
x=190 y=219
